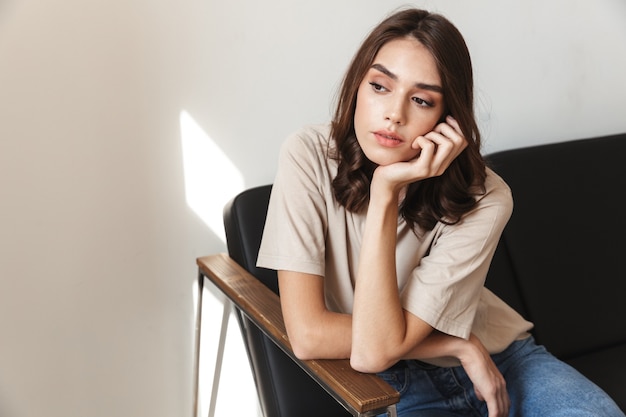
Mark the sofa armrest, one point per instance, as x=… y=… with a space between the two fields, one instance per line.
x=361 y=394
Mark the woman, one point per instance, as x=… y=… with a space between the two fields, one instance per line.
x=382 y=227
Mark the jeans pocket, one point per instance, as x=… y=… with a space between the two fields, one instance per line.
x=398 y=379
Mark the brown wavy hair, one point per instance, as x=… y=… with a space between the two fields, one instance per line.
x=447 y=197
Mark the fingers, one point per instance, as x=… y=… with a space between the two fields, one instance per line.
x=437 y=150
x=488 y=381
x=494 y=393
x=449 y=137
x=452 y=122
x=441 y=146
x=498 y=402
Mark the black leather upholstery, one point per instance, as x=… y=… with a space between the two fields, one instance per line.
x=284 y=389
x=560 y=261
x=244 y=219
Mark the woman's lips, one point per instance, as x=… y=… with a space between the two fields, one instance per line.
x=388 y=139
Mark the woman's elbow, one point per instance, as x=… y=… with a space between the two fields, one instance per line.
x=369 y=363
x=304 y=344
x=302 y=351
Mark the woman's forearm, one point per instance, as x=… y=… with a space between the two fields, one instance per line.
x=439 y=345
x=380 y=332
x=314 y=331
x=377 y=320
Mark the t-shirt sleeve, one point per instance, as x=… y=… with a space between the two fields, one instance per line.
x=295 y=228
x=445 y=288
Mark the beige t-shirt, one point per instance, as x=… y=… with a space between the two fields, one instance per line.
x=440 y=274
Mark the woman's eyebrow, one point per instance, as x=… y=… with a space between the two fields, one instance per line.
x=423 y=86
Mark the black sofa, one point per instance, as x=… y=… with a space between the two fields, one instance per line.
x=560 y=261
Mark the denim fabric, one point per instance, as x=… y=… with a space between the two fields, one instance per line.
x=539 y=385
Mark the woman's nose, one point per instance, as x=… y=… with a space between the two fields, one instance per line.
x=395 y=112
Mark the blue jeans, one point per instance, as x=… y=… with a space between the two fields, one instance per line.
x=538 y=384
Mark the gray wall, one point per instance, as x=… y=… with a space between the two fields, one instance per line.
x=126 y=124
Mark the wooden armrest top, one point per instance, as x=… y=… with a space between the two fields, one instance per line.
x=359 y=391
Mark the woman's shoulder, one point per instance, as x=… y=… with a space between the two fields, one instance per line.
x=494 y=182
x=306 y=152
x=310 y=138
x=310 y=145
x=496 y=190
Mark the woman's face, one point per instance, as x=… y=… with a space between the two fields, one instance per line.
x=399 y=99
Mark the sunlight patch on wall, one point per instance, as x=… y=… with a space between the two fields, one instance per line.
x=211 y=179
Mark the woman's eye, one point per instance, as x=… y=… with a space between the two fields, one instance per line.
x=422 y=102
x=377 y=87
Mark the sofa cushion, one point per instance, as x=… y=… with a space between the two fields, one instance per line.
x=563 y=250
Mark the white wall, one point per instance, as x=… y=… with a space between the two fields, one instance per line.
x=101 y=220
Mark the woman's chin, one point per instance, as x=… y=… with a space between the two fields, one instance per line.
x=384 y=160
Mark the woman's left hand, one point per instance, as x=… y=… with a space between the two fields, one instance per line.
x=437 y=149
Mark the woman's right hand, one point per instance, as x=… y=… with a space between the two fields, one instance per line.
x=489 y=384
